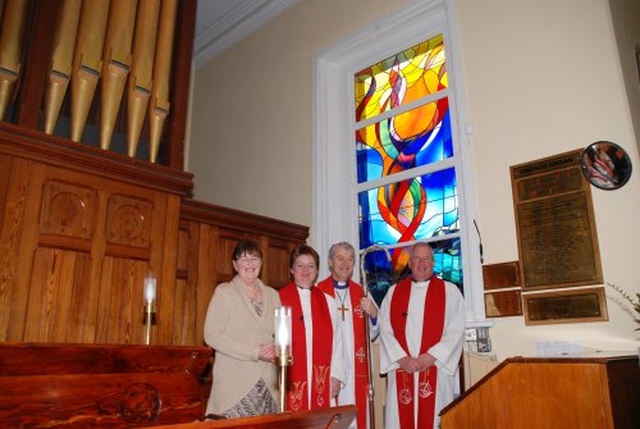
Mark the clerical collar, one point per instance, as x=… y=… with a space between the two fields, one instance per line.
x=423 y=282
x=340 y=285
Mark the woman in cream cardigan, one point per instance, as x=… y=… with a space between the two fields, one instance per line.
x=239 y=328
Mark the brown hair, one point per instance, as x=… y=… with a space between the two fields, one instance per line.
x=246 y=247
x=304 y=249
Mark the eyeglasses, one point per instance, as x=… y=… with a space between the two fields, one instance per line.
x=249 y=260
x=417 y=260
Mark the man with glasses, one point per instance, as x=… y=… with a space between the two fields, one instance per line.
x=421 y=331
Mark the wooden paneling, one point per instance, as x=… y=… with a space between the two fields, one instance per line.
x=77 y=244
x=208 y=235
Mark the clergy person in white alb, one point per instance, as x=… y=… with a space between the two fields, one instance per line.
x=318 y=366
x=421 y=331
x=353 y=308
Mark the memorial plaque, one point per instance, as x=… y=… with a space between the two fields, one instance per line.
x=501 y=276
x=503 y=303
x=578 y=305
x=557 y=238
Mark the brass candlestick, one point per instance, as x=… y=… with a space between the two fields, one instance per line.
x=284 y=360
x=283 y=347
x=149 y=319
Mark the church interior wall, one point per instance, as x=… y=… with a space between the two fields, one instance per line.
x=541 y=78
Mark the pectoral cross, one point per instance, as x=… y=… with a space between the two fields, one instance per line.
x=343 y=309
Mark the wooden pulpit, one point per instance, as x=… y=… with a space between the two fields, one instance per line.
x=552 y=393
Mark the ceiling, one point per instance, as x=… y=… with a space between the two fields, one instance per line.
x=222 y=23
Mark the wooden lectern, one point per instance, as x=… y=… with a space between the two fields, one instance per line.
x=552 y=393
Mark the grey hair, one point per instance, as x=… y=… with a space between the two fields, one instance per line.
x=344 y=245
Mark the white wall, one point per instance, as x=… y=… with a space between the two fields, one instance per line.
x=541 y=77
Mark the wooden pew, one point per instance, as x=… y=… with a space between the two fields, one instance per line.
x=71 y=385
x=328 y=418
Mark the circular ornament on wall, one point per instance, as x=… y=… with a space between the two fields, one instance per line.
x=606 y=165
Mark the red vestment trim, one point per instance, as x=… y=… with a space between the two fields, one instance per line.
x=432 y=329
x=360 y=361
x=297 y=392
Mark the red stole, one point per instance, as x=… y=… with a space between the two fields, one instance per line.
x=432 y=328
x=360 y=362
x=297 y=392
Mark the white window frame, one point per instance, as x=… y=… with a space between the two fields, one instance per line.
x=335 y=210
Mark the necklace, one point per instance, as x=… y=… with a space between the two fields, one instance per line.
x=343 y=309
x=255 y=297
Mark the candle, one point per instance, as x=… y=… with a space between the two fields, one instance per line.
x=150 y=289
x=283 y=328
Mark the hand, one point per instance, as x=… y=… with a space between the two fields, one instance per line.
x=369 y=307
x=409 y=364
x=335 y=387
x=425 y=361
x=267 y=352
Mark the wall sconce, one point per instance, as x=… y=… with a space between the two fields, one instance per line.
x=283 y=350
x=149 y=306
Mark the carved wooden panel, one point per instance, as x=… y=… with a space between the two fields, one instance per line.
x=68 y=209
x=129 y=221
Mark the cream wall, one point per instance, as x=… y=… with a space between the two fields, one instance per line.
x=541 y=78
x=251 y=115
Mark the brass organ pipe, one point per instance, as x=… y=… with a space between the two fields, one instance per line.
x=117 y=63
x=140 y=80
x=87 y=62
x=159 y=106
x=61 y=62
x=11 y=45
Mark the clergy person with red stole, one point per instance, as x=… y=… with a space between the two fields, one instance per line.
x=422 y=324
x=352 y=306
x=318 y=367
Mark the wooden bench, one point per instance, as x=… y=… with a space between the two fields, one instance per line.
x=71 y=385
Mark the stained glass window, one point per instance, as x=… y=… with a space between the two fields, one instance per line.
x=406 y=167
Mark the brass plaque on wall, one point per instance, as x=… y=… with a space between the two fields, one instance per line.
x=579 y=305
x=503 y=303
x=557 y=238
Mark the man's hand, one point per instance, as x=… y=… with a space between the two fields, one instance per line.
x=369 y=307
x=425 y=361
x=409 y=364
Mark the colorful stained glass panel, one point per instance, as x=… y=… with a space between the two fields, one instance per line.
x=402 y=78
x=409 y=210
x=412 y=139
x=383 y=273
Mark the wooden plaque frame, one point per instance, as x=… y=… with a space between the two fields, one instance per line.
x=567 y=306
x=555 y=223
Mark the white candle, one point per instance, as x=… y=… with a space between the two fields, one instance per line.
x=150 y=289
x=283 y=328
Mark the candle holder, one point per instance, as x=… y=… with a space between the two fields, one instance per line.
x=283 y=351
x=149 y=316
x=149 y=319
